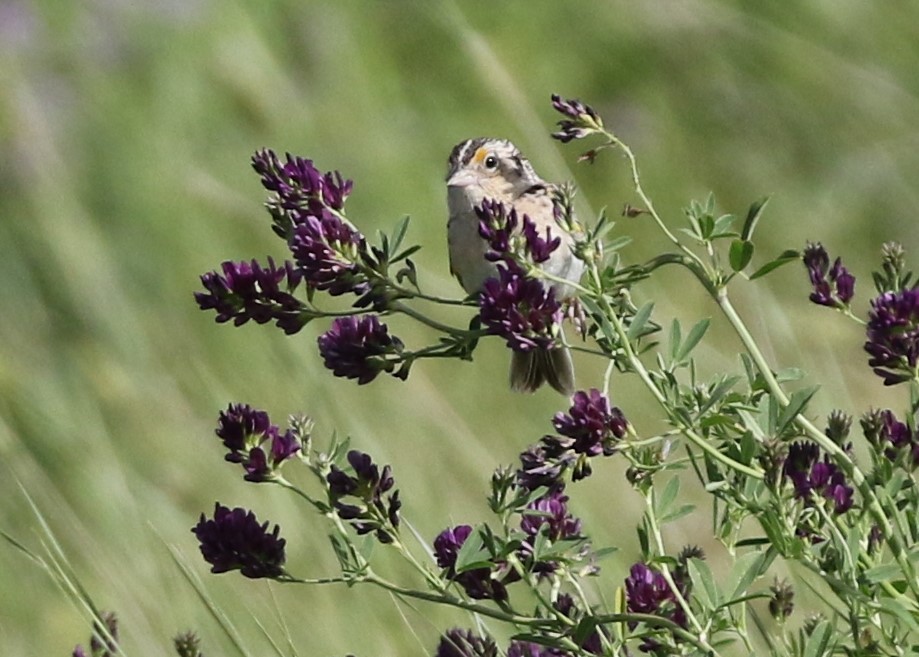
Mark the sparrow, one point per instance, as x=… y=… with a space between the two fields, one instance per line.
x=494 y=169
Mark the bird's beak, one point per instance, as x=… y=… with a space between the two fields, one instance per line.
x=462 y=178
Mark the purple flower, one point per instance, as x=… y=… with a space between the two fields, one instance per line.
x=582 y=119
x=448 y=543
x=478 y=583
x=550 y=511
x=239 y=426
x=371 y=513
x=245 y=431
x=465 y=643
x=593 y=426
x=647 y=592
x=298 y=185
x=893 y=335
x=521 y=310
x=360 y=348
x=329 y=251
x=246 y=290
x=833 y=286
x=499 y=226
x=234 y=540
x=890 y=436
x=812 y=476
x=540 y=466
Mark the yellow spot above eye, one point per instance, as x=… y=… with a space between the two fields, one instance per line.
x=480 y=155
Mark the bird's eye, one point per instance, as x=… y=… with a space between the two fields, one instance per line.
x=491 y=162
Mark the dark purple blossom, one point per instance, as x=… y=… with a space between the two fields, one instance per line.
x=541 y=466
x=521 y=310
x=550 y=511
x=298 y=185
x=890 y=436
x=367 y=509
x=465 y=643
x=360 y=348
x=329 y=251
x=447 y=545
x=479 y=583
x=254 y=442
x=246 y=290
x=833 y=286
x=592 y=425
x=499 y=225
x=234 y=540
x=810 y=475
x=582 y=119
x=647 y=592
x=893 y=335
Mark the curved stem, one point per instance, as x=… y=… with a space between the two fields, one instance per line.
x=645 y=376
x=840 y=457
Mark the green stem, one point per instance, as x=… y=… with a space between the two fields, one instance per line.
x=665 y=571
x=639 y=368
x=434 y=324
x=840 y=457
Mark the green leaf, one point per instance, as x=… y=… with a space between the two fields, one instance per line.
x=399 y=234
x=740 y=254
x=703 y=584
x=818 y=642
x=883 y=573
x=602 y=553
x=472 y=554
x=796 y=404
x=695 y=335
x=745 y=570
x=616 y=244
x=722 y=226
x=606 y=326
x=676 y=514
x=639 y=320
x=789 y=255
x=669 y=494
x=753 y=215
x=675 y=337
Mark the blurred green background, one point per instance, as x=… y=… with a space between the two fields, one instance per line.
x=126 y=130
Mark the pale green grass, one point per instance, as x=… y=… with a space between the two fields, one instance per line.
x=126 y=132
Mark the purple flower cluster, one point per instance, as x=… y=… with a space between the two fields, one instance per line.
x=465 y=643
x=246 y=290
x=307 y=206
x=328 y=251
x=254 y=442
x=479 y=583
x=582 y=119
x=812 y=476
x=521 y=310
x=550 y=511
x=500 y=227
x=100 y=645
x=234 y=540
x=891 y=437
x=833 y=286
x=367 y=510
x=297 y=185
x=548 y=515
x=360 y=348
x=893 y=336
x=591 y=427
x=647 y=592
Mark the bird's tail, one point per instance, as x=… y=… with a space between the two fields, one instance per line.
x=530 y=369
